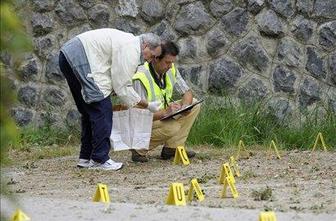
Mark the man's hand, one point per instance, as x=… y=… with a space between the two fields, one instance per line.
x=173 y=107
x=154 y=106
x=185 y=113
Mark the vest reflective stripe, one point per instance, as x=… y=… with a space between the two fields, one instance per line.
x=154 y=92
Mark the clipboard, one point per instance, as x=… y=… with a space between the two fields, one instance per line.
x=186 y=108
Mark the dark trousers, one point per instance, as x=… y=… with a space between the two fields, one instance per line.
x=96 y=119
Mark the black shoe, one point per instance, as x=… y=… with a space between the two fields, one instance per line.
x=138 y=158
x=167 y=153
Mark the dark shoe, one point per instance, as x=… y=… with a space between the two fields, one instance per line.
x=138 y=158
x=168 y=153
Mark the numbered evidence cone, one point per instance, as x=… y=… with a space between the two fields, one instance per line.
x=195 y=187
x=272 y=144
x=19 y=216
x=320 y=137
x=176 y=195
x=234 y=165
x=229 y=182
x=181 y=156
x=226 y=172
x=227 y=178
x=267 y=216
x=101 y=194
x=242 y=151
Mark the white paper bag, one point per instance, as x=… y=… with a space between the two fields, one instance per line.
x=131 y=129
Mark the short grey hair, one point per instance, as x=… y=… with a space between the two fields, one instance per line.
x=151 y=39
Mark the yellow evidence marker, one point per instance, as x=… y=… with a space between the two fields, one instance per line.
x=194 y=186
x=272 y=144
x=101 y=194
x=267 y=216
x=176 y=195
x=229 y=182
x=320 y=137
x=241 y=146
x=226 y=172
x=181 y=156
x=234 y=165
x=19 y=216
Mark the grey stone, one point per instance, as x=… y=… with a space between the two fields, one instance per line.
x=99 y=16
x=191 y=73
x=270 y=24
x=236 y=21
x=78 y=30
x=152 y=10
x=283 y=79
x=22 y=116
x=193 y=19
x=43 y=5
x=220 y=7
x=28 y=70
x=188 y=48
x=43 y=45
x=303 y=29
x=283 y=7
x=305 y=6
x=290 y=53
x=223 y=76
x=54 y=97
x=325 y=8
x=250 y=52
x=255 y=6
x=42 y=24
x=87 y=3
x=165 y=31
x=215 y=41
x=53 y=73
x=73 y=118
x=332 y=67
x=27 y=95
x=315 y=64
x=254 y=91
x=70 y=13
x=332 y=105
x=309 y=93
x=327 y=35
x=48 y=119
x=280 y=109
x=127 y=8
x=129 y=25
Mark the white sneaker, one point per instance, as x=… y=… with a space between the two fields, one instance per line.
x=108 y=165
x=84 y=163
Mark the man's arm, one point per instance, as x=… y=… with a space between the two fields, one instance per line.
x=141 y=90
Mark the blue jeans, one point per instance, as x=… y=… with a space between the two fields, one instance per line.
x=96 y=118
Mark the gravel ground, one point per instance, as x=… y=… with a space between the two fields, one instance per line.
x=300 y=186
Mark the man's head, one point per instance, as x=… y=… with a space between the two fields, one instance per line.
x=168 y=55
x=151 y=46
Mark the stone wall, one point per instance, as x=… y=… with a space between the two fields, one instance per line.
x=280 y=51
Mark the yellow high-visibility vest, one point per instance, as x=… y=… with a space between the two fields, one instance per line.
x=154 y=92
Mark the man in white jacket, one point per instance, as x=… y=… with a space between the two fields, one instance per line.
x=95 y=63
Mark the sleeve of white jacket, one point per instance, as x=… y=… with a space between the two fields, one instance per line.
x=124 y=64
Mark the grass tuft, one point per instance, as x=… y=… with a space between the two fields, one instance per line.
x=225 y=125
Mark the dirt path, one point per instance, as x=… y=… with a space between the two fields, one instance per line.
x=299 y=182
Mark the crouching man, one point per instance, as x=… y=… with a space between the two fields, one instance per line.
x=156 y=80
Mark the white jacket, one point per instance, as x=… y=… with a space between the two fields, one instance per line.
x=113 y=57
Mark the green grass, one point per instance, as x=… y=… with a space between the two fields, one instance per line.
x=45 y=142
x=225 y=125
x=47 y=135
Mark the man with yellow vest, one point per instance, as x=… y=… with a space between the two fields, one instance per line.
x=156 y=81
